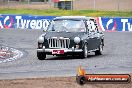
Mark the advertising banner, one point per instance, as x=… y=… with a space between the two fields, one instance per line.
x=42 y=22
x=114 y=24
x=24 y=21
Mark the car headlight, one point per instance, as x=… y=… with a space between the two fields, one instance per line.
x=41 y=39
x=77 y=40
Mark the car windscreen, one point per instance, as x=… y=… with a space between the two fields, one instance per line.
x=67 y=25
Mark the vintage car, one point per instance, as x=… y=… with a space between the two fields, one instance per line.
x=71 y=35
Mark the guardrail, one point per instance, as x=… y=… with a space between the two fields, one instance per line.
x=41 y=22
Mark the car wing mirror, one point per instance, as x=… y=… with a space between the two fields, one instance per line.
x=44 y=30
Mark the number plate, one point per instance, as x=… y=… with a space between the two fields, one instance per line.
x=58 y=52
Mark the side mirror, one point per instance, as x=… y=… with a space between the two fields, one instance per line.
x=45 y=29
x=101 y=32
x=46 y=25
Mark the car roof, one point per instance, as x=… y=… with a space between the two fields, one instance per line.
x=73 y=18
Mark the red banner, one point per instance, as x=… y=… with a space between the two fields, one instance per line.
x=55 y=0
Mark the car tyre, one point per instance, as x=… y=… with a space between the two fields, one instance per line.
x=84 y=54
x=99 y=52
x=41 y=55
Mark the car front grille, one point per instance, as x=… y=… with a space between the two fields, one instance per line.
x=59 y=42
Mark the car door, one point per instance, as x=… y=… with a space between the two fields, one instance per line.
x=96 y=40
x=93 y=40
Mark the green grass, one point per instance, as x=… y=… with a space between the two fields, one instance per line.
x=93 y=13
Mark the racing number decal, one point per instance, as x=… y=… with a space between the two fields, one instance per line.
x=91 y=25
x=58 y=52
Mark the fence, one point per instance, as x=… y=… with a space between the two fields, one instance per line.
x=26 y=4
x=114 y=5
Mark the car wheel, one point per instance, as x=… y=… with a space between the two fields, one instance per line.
x=99 y=52
x=81 y=80
x=41 y=56
x=85 y=52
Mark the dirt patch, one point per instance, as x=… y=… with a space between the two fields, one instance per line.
x=55 y=82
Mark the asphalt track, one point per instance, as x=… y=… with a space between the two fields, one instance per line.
x=116 y=58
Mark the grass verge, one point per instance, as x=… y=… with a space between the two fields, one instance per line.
x=50 y=12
